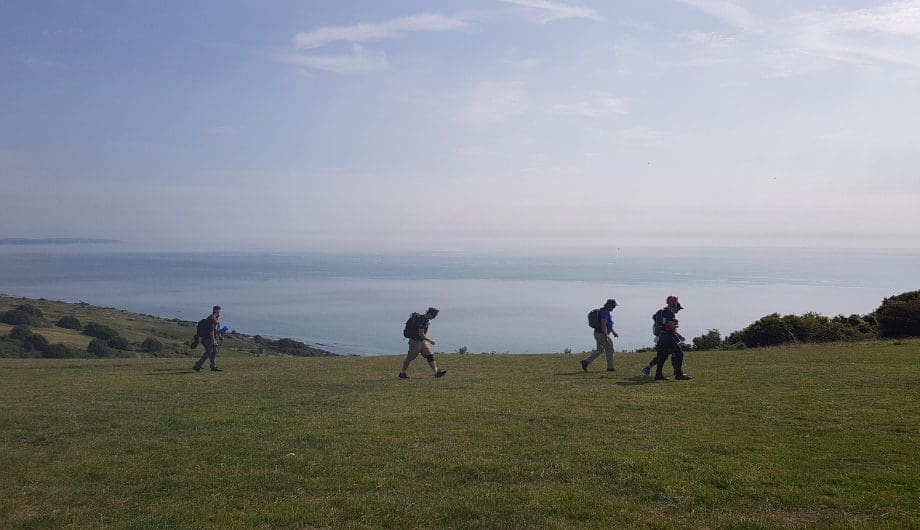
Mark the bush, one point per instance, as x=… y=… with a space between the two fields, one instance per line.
x=30 y=310
x=899 y=316
x=711 y=340
x=57 y=351
x=17 y=317
x=99 y=348
x=20 y=332
x=119 y=343
x=70 y=322
x=151 y=346
x=768 y=331
x=462 y=350
x=35 y=342
x=99 y=331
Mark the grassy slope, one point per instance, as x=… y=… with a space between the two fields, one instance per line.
x=135 y=327
x=823 y=436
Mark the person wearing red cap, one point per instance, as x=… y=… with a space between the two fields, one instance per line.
x=667 y=342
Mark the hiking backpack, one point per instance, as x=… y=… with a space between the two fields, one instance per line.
x=657 y=327
x=594 y=319
x=412 y=326
x=203 y=330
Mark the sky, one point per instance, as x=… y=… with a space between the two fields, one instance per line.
x=486 y=125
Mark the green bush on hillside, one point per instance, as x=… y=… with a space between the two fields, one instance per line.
x=35 y=342
x=20 y=332
x=773 y=330
x=99 y=348
x=69 y=322
x=23 y=314
x=899 y=316
x=58 y=351
x=711 y=340
x=119 y=343
x=151 y=345
x=99 y=331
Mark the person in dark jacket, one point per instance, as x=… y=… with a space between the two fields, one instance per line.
x=668 y=342
x=208 y=339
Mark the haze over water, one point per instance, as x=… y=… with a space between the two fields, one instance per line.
x=352 y=303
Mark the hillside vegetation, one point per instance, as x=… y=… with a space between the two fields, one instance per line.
x=123 y=333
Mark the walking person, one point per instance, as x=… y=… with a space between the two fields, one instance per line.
x=602 y=331
x=207 y=335
x=416 y=331
x=667 y=341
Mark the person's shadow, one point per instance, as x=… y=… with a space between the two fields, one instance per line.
x=636 y=380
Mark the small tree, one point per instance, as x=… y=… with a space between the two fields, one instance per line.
x=69 y=322
x=711 y=340
x=18 y=316
x=119 y=343
x=462 y=350
x=899 y=316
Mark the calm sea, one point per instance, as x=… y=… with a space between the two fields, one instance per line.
x=358 y=303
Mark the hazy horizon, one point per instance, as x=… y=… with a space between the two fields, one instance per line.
x=511 y=126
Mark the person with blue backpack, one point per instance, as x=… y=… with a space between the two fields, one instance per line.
x=601 y=322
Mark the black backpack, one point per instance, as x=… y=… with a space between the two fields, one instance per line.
x=412 y=325
x=594 y=319
x=657 y=327
x=204 y=329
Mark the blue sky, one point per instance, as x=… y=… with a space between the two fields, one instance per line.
x=499 y=125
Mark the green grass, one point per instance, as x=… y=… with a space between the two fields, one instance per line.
x=819 y=436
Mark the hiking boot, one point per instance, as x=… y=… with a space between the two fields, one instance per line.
x=584 y=366
x=611 y=370
x=647 y=370
x=659 y=377
x=682 y=377
x=403 y=375
x=197 y=368
x=440 y=373
x=216 y=369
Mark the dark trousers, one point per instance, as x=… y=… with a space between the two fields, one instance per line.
x=668 y=345
x=210 y=352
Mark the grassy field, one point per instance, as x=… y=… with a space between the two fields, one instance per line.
x=823 y=436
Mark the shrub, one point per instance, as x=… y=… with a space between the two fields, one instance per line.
x=93 y=329
x=30 y=310
x=35 y=342
x=99 y=348
x=20 y=332
x=119 y=343
x=151 y=345
x=899 y=316
x=768 y=331
x=57 y=351
x=462 y=350
x=711 y=340
x=18 y=316
x=70 y=322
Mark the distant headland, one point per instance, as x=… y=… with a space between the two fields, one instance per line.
x=58 y=241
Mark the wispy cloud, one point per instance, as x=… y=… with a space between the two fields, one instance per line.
x=599 y=106
x=552 y=10
x=888 y=33
x=645 y=136
x=388 y=29
x=359 y=61
x=724 y=10
x=492 y=102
